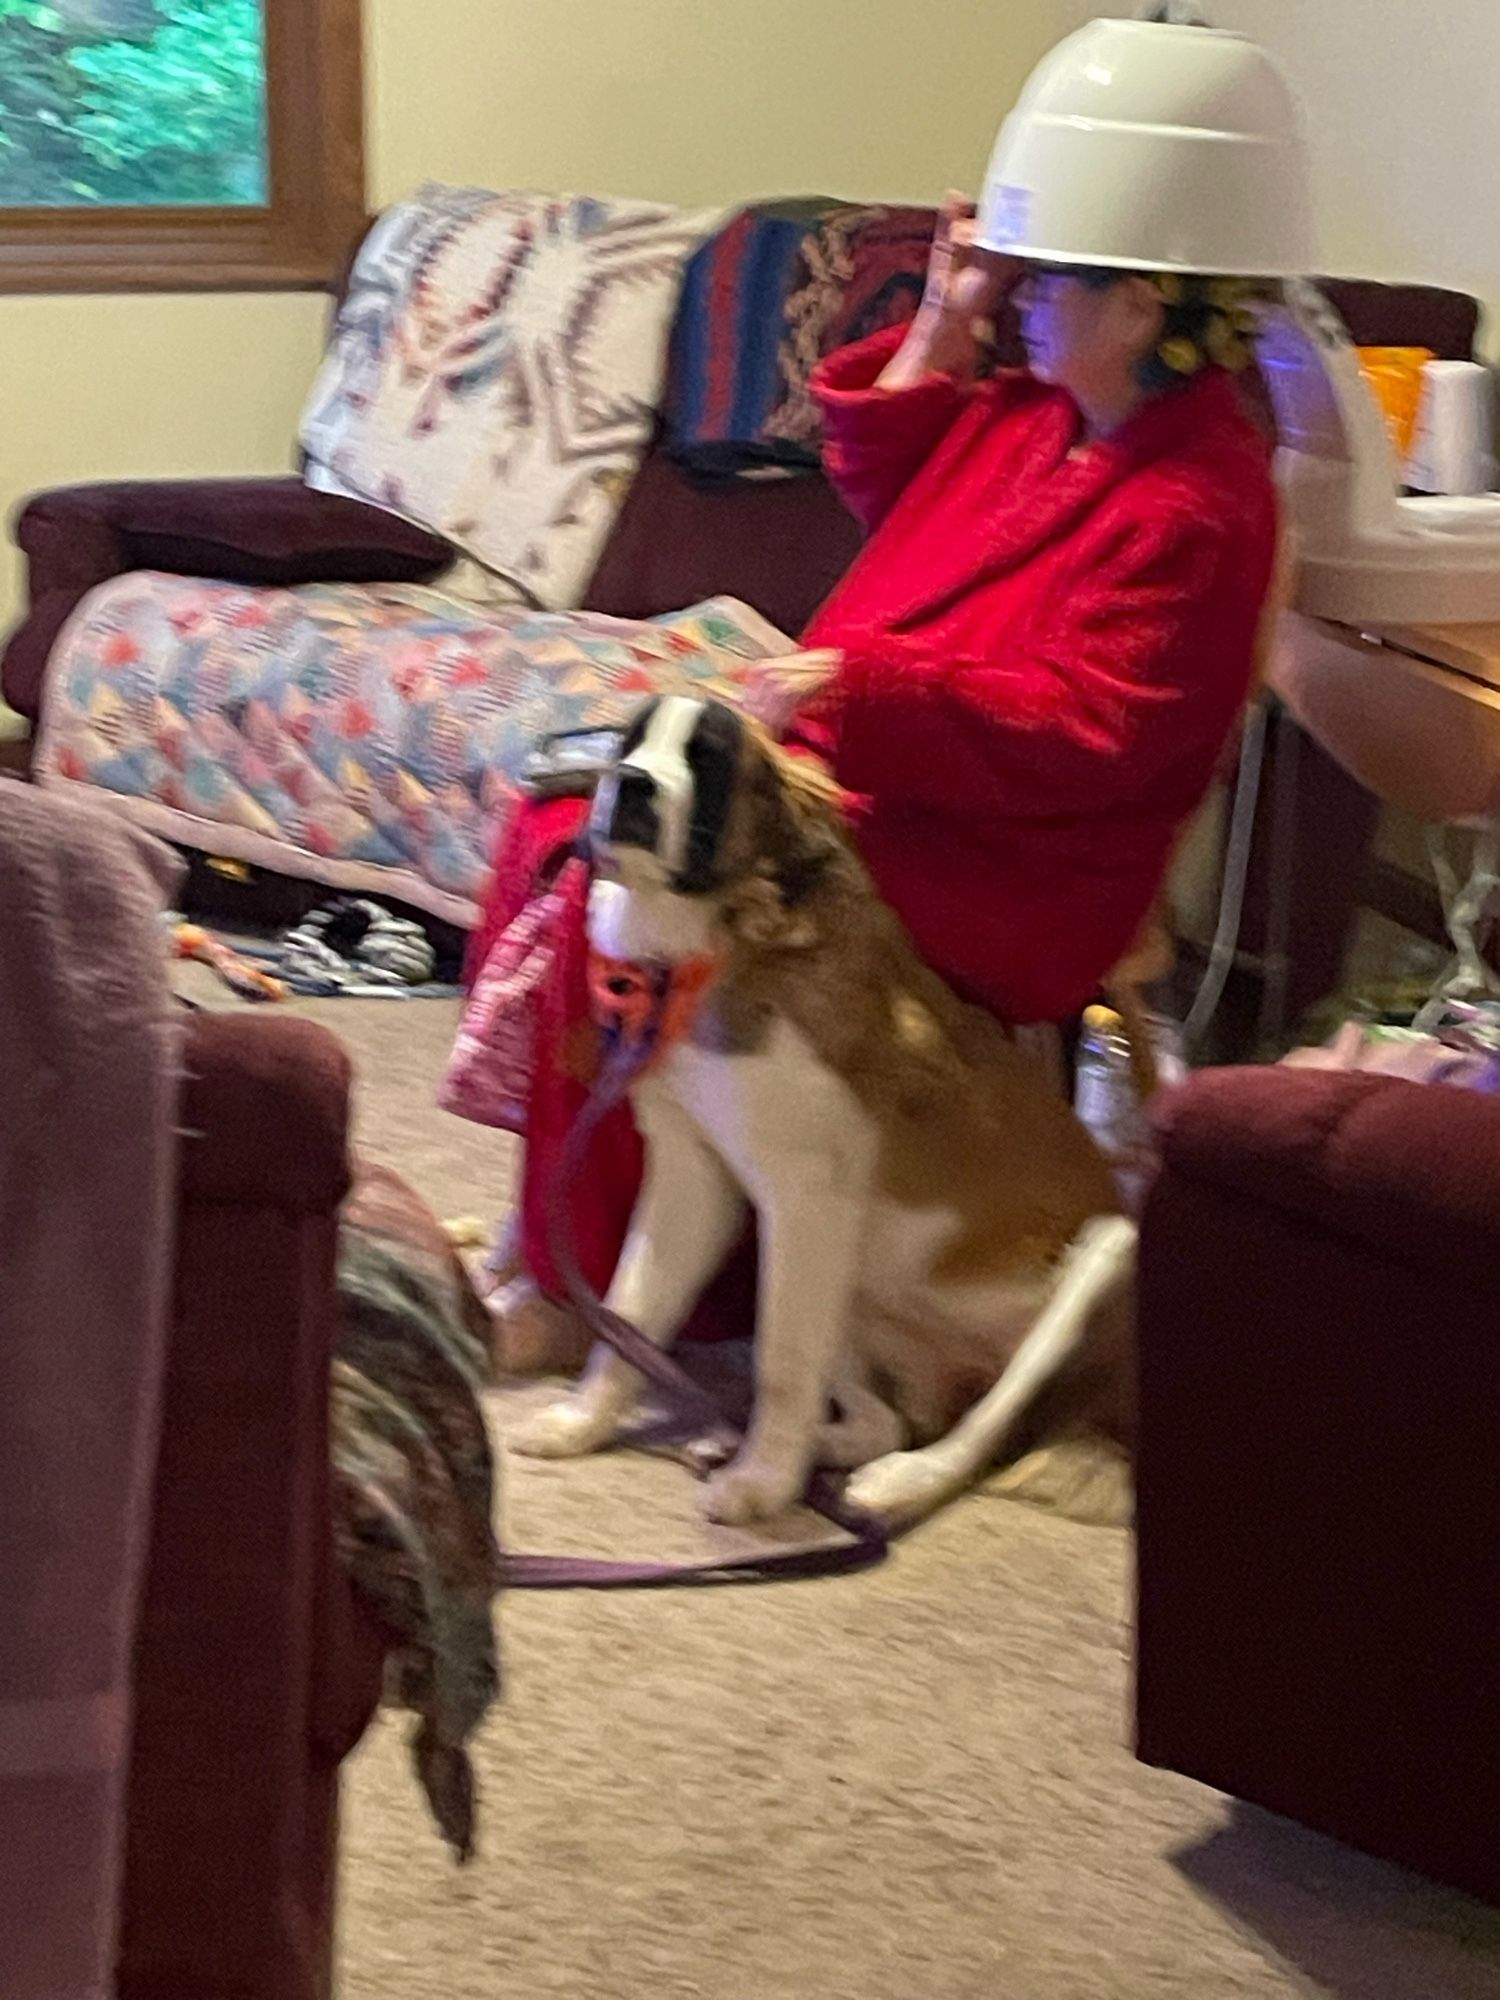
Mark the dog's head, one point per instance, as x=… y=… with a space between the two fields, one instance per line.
x=699 y=801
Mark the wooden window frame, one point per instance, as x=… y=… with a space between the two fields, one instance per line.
x=300 y=240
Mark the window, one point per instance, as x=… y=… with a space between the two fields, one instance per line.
x=178 y=144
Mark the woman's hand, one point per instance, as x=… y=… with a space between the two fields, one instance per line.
x=776 y=689
x=964 y=291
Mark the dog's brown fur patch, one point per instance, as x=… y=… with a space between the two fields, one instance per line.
x=972 y=1123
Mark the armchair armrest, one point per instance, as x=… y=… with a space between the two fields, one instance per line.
x=255 y=1669
x=268 y=1103
x=255 y=531
x=1410 y=1170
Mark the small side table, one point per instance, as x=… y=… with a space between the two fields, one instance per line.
x=1413 y=715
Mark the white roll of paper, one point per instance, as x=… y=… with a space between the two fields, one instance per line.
x=1453 y=451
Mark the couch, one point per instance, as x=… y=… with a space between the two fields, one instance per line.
x=780 y=546
x=256 y=1669
x=1318 y=1518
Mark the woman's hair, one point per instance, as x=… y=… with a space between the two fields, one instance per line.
x=1208 y=322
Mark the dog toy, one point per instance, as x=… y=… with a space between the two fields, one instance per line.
x=191 y=941
x=635 y=1005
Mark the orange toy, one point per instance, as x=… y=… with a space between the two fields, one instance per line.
x=637 y=1003
x=238 y=974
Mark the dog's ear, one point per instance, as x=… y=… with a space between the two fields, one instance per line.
x=714 y=756
x=806 y=800
x=794 y=832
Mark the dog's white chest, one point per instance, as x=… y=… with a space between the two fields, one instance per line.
x=776 y=1113
x=770 y=1113
x=624 y=924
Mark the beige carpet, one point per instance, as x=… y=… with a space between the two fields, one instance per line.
x=908 y=1786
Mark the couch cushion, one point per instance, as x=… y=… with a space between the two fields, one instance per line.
x=779 y=544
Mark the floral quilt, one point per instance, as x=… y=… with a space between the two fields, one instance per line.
x=362 y=735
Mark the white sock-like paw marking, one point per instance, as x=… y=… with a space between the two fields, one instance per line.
x=751 y=1489
x=569 y=1428
x=904 y=1487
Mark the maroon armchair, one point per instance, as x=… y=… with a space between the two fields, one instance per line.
x=256 y=1670
x=1318 y=1519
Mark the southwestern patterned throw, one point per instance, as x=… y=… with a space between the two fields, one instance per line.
x=361 y=735
x=763 y=301
x=496 y=370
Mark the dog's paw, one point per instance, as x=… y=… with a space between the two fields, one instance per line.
x=568 y=1428
x=752 y=1489
x=904 y=1487
x=707 y=1455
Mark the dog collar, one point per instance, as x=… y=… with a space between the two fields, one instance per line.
x=647 y=1006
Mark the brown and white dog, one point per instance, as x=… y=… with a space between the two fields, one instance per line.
x=945 y=1273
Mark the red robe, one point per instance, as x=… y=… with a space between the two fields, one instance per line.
x=1045 y=645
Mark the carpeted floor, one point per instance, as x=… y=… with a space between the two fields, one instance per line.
x=909 y=1786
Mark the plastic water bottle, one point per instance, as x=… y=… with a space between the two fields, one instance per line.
x=1107 y=1100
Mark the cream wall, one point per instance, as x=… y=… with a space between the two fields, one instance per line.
x=692 y=100
x=1400 y=99
x=697 y=100
x=96 y=388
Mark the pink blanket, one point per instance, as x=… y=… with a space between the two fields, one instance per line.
x=86 y=1170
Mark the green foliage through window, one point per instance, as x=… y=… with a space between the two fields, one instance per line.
x=132 y=103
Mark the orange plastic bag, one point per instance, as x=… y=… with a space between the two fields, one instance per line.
x=1395 y=375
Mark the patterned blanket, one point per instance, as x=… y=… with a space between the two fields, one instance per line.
x=414 y=1477
x=362 y=736
x=763 y=301
x=496 y=370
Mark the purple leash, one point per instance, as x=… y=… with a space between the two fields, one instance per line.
x=868 y=1542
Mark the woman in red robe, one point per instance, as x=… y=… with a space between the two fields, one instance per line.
x=1026 y=679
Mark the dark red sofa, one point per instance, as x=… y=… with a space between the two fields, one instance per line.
x=1318 y=1506
x=780 y=546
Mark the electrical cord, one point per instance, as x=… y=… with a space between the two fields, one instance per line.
x=1236 y=876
